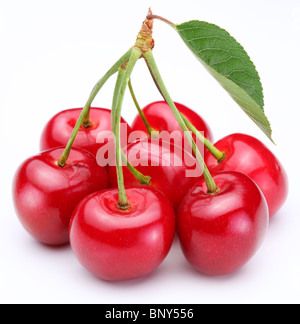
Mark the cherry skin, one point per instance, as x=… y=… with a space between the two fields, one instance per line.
x=220 y=233
x=161 y=118
x=45 y=194
x=248 y=155
x=172 y=170
x=59 y=129
x=117 y=245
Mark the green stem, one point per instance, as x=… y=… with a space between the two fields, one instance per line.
x=220 y=156
x=121 y=73
x=124 y=76
x=84 y=116
x=123 y=201
x=144 y=180
x=99 y=85
x=150 y=130
x=211 y=185
x=153 y=77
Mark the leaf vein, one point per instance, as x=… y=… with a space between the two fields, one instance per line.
x=207 y=37
x=229 y=63
x=201 y=28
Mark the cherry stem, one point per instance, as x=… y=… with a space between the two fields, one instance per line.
x=120 y=89
x=150 y=130
x=220 y=156
x=144 y=180
x=150 y=17
x=114 y=69
x=84 y=118
x=211 y=185
x=114 y=120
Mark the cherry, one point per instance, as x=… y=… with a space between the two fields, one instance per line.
x=115 y=244
x=160 y=117
x=219 y=233
x=172 y=170
x=58 y=130
x=248 y=155
x=45 y=194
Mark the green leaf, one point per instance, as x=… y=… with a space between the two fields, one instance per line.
x=230 y=65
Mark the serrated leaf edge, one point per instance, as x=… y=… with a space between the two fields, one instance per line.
x=242 y=48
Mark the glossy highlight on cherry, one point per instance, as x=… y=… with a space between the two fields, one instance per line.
x=118 y=245
x=161 y=118
x=59 y=129
x=248 y=155
x=46 y=194
x=220 y=233
x=172 y=170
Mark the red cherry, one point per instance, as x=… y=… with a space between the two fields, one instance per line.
x=161 y=118
x=116 y=244
x=59 y=129
x=172 y=170
x=220 y=233
x=45 y=194
x=248 y=155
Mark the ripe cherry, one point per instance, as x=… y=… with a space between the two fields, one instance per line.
x=172 y=170
x=45 y=194
x=160 y=117
x=116 y=244
x=248 y=155
x=59 y=129
x=219 y=233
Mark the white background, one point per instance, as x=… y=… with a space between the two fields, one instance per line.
x=53 y=52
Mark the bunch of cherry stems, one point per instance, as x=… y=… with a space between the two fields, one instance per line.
x=124 y=67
